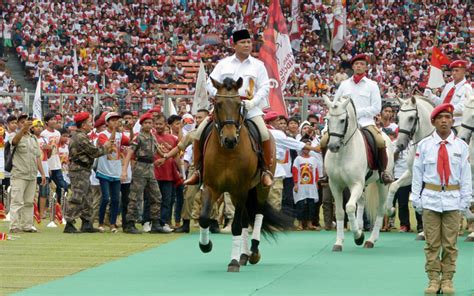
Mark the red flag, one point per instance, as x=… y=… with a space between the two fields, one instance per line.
x=36 y=213
x=435 y=77
x=339 y=29
x=277 y=56
x=247 y=10
x=2 y=211
x=58 y=213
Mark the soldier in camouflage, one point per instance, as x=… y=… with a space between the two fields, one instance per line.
x=81 y=155
x=144 y=147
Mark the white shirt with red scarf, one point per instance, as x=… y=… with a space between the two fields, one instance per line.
x=283 y=145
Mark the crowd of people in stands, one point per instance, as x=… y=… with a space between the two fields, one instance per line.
x=138 y=51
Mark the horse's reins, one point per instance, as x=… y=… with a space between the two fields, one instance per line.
x=238 y=124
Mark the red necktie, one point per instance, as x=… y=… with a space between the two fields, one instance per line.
x=443 y=164
x=450 y=95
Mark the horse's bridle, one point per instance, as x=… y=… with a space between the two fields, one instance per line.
x=416 y=124
x=238 y=124
x=465 y=125
x=346 y=125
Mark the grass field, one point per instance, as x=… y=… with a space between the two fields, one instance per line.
x=35 y=258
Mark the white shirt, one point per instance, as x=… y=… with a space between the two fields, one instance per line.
x=425 y=170
x=251 y=68
x=462 y=89
x=401 y=165
x=284 y=143
x=366 y=98
x=53 y=138
x=307 y=171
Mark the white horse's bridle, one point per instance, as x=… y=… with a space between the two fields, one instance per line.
x=410 y=133
x=343 y=134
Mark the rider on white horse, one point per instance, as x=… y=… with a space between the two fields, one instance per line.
x=254 y=93
x=455 y=92
x=365 y=94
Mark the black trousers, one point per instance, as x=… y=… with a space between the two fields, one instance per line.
x=288 y=203
x=402 y=196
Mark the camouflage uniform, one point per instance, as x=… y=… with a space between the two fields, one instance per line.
x=144 y=148
x=81 y=154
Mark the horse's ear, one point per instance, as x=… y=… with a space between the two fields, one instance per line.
x=327 y=101
x=215 y=83
x=238 y=83
x=399 y=100
x=345 y=103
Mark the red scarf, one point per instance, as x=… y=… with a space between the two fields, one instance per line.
x=443 y=164
x=358 y=77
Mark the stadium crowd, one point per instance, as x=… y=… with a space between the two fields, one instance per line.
x=135 y=52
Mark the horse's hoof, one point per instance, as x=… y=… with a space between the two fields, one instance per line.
x=337 y=248
x=469 y=239
x=244 y=258
x=360 y=240
x=420 y=237
x=206 y=248
x=369 y=245
x=233 y=266
x=254 y=257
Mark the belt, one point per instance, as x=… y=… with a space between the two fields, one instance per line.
x=440 y=188
x=145 y=160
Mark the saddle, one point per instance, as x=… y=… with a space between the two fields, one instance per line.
x=254 y=134
x=371 y=149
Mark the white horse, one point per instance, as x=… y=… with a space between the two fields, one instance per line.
x=414 y=125
x=347 y=166
x=465 y=133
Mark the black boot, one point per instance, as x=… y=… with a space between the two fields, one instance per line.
x=184 y=228
x=157 y=228
x=129 y=227
x=87 y=227
x=70 y=228
x=214 y=227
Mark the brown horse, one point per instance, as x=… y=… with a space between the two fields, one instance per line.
x=231 y=165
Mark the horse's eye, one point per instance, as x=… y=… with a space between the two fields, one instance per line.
x=342 y=120
x=410 y=118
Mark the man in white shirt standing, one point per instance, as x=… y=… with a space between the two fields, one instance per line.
x=365 y=95
x=54 y=162
x=254 y=93
x=454 y=92
x=441 y=189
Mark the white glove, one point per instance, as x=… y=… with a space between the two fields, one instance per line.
x=428 y=93
x=469 y=215
x=248 y=104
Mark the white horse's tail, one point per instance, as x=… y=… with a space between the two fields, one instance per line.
x=372 y=201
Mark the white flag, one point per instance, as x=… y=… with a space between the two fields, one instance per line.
x=75 y=64
x=37 y=101
x=340 y=26
x=201 y=99
x=170 y=107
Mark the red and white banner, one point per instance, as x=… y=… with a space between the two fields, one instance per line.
x=340 y=26
x=277 y=56
x=438 y=59
x=247 y=10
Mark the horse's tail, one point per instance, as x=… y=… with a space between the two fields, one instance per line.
x=373 y=200
x=273 y=220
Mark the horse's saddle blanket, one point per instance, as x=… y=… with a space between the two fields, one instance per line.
x=255 y=136
x=371 y=149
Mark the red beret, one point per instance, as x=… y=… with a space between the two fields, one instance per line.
x=101 y=121
x=81 y=116
x=145 y=117
x=458 y=64
x=360 y=56
x=442 y=108
x=270 y=116
x=155 y=109
x=135 y=113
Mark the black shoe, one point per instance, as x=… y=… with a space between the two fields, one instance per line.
x=87 y=227
x=214 y=227
x=70 y=228
x=184 y=228
x=130 y=228
x=157 y=228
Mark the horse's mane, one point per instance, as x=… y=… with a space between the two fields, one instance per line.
x=425 y=99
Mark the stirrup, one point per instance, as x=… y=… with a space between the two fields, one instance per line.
x=267 y=173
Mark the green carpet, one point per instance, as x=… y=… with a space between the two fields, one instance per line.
x=300 y=263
